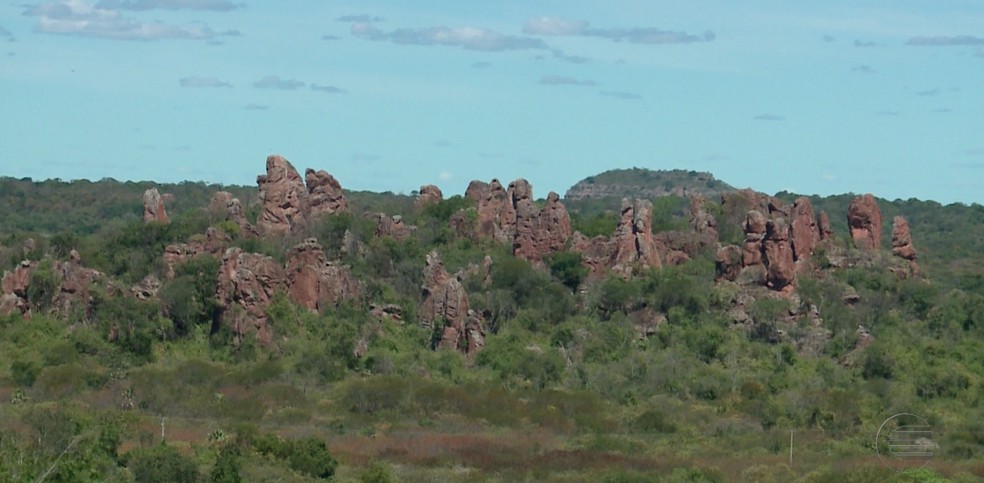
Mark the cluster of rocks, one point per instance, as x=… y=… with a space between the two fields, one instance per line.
x=154 y=207
x=444 y=308
x=71 y=284
x=290 y=202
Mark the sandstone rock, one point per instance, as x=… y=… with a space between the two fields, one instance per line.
x=393 y=227
x=823 y=224
x=315 y=283
x=596 y=253
x=779 y=256
x=225 y=207
x=73 y=290
x=805 y=233
x=755 y=224
x=633 y=240
x=325 y=195
x=496 y=212
x=445 y=304
x=284 y=198
x=154 y=207
x=147 y=288
x=865 y=222
x=15 y=285
x=902 y=240
x=429 y=195
x=703 y=224
x=477 y=191
x=247 y=283
x=728 y=262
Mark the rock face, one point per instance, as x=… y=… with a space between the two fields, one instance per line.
x=393 y=227
x=804 y=231
x=779 y=255
x=633 y=240
x=154 y=207
x=74 y=287
x=288 y=203
x=325 y=196
x=511 y=216
x=315 y=283
x=865 y=221
x=823 y=224
x=247 y=283
x=755 y=224
x=225 y=207
x=15 y=285
x=702 y=223
x=444 y=307
x=902 y=240
x=496 y=212
x=728 y=262
x=428 y=195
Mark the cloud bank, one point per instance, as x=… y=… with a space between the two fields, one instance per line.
x=557 y=26
x=471 y=38
x=79 y=18
x=275 y=82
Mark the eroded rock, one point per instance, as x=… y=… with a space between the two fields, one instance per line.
x=154 y=207
x=865 y=221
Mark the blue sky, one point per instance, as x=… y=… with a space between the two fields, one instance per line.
x=814 y=97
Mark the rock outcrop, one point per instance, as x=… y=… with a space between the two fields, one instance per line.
x=496 y=212
x=15 y=285
x=633 y=239
x=225 y=207
x=823 y=226
x=779 y=256
x=393 y=227
x=902 y=240
x=315 y=283
x=154 y=207
x=73 y=290
x=727 y=262
x=804 y=231
x=429 y=195
x=284 y=198
x=444 y=307
x=325 y=196
x=247 y=282
x=865 y=221
x=702 y=223
x=755 y=224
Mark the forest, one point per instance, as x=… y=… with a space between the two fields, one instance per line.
x=447 y=351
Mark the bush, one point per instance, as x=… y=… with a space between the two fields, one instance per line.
x=162 y=463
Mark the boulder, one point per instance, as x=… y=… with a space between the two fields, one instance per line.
x=393 y=227
x=429 y=195
x=728 y=262
x=865 y=221
x=755 y=224
x=73 y=290
x=154 y=207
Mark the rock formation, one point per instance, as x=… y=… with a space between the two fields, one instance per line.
x=496 y=212
x=284 y=198
x=15 y=285
x=154 y=207
x=429 y=195
x=325 y=196
x=225 y=207
x=315 y=283
x=702 y=223
x=779 y=255
x=864 y=220
x=728 y=262
x=804 y=231
x=247 y=283
x=902 y=240
x=633 y=240
x=393 y=227
x=823 y=225
x=755 y=224
x=444 y=307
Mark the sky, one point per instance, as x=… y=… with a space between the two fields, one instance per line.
x=830 y=97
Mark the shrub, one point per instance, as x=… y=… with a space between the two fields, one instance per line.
x=162 y=463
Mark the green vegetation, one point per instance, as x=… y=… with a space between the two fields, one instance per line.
x=582 y=378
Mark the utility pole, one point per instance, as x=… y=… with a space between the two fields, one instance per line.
x=790 y=448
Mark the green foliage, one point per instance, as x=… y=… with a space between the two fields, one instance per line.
x=378 y=472
x=567 y=267
x=309 y=456
x=511 y=354
x=162 y=463
x=43 y=285
x=227 y=465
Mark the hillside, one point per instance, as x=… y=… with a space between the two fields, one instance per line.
x=646 y=183
x=295 y=331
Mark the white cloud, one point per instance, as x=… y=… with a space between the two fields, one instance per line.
x=214 y=5
x=275 y=82
x=78 y=17
x=554 y=26
x=444 y=175
x=202 y=82
x=556 y=80
x=471 y=38
x=328 y=89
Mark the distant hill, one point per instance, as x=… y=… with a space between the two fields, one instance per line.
x=647 y=183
